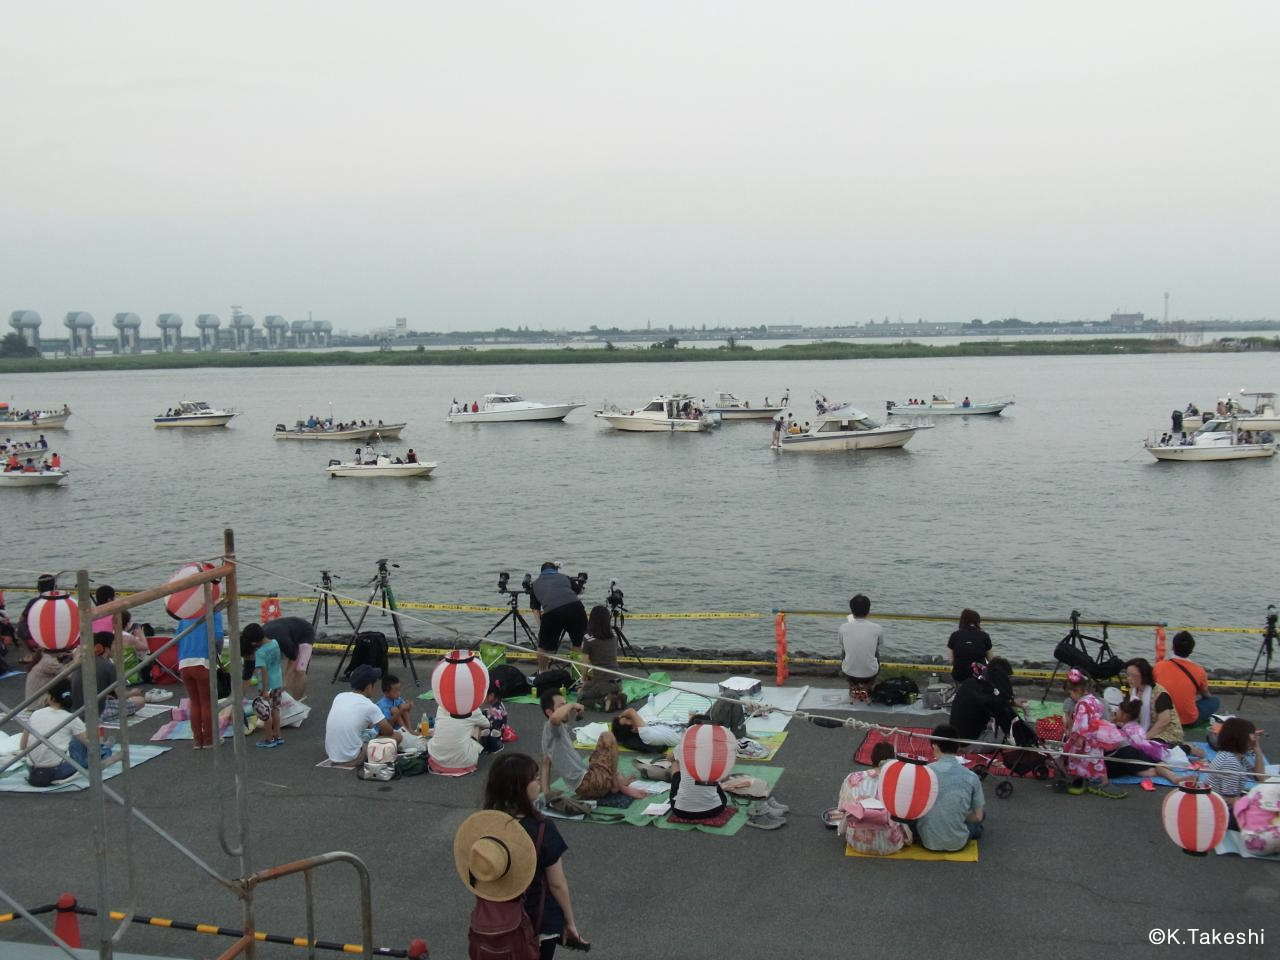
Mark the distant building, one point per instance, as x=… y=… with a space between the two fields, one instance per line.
x=785 y=328
x=1126 y=319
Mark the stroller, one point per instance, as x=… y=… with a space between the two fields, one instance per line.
x=1020 y=760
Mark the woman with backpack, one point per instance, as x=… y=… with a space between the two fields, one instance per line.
x=512 y=788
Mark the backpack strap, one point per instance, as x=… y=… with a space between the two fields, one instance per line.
x=1187 y=674
x=542 y=896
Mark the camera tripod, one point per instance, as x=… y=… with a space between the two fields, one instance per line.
x=518 y=622
x=1265 y=649
x=618 y=614
x=386 y=598
x=1073 y=651
x=322 y=603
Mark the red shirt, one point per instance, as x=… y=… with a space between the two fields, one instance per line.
x=1172 y=675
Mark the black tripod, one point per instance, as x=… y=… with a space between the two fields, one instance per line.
x=322 y=603
x=1266 y=648
x=518 y=622
x=618 y=614
x=1073 y=650
x=386 y=599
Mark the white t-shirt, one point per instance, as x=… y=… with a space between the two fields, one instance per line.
x=43 y=721
x=861 y=641
x=451 y=744
x=350 y=714
x=660 y=734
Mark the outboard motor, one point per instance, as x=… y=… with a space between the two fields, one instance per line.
x=1177 y=421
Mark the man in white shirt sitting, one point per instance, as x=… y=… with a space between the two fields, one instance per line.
x=352 y=713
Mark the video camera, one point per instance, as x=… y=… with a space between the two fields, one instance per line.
x=578 y=582
x=614 y=597
x=526 y=585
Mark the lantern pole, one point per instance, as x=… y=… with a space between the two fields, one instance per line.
x=97 y=800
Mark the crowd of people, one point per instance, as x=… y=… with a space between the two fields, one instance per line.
x=317 y=424
x=32 y=416
x=15 y=464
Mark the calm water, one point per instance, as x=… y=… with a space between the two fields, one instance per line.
x=1052 y=507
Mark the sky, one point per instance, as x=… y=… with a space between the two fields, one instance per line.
x=476 y=165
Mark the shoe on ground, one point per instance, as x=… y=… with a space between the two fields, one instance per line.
x=778 y=808
x=1077 y=788
x=278 y=741
x=156 y=695
x=766 y=821
x=267 y=744
x=752 y=749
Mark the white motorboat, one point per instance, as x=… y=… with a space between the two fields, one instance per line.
x=328 y=430
x=509 y=408
x=194 y=413
x=1219 y=439
x=383 y=465
x=945 y=407
x=666 y=413
x=728 y=407
x=40 y=478
x=11 y=419
x=1262 y=416
x=845 y=427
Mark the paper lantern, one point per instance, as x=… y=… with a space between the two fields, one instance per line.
x=189 y=603
x=54 y=621
x=460 y=683
x=908 y=788
x=707 y=753
x=1195 y=818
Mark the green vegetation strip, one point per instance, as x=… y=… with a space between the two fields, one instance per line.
x=827 y=350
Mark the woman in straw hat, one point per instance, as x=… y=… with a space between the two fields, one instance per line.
x=510 y=791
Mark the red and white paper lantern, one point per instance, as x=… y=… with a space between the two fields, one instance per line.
x=54 y=621
x=189 y=603
x=908 y=788
x=707 y=753
x=1195 y=818
x=460 y=683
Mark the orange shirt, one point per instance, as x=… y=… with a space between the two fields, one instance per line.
x=1172 y=675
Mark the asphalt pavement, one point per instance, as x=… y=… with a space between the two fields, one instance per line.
x=1058 y=876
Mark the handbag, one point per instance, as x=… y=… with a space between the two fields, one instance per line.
x=1051 y=728
x=381 y=750
x=569 y=806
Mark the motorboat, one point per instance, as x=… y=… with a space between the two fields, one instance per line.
x=941 y=406
x=40 y=478
x=1221 y=438
x=22 y=449
x=509 y=408
x=666 y=413
x=11 y=419
x=728 y=407
x=1262 y=416
x=382 y=465
x=328 y=430
x=844 y=427
x=194 y=413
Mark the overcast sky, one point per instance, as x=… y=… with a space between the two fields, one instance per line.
x=472 y=165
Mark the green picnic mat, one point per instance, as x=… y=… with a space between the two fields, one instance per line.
x=634 y=689
x=1038 y=711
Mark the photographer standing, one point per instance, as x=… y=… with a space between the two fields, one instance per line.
x=554 y=598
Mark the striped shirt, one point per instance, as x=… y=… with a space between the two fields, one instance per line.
x=1229 y=773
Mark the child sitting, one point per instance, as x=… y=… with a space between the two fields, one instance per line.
x=393 y=706
x=496 y=711
x=1127 y=719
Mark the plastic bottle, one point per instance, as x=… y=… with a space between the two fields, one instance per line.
x=424 y=728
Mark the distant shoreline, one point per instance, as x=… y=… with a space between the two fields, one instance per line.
x=740 y=353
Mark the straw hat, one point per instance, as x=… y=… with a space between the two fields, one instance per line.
x=494 y=855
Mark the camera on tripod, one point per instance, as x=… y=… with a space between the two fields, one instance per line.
x=614 y=597
x=526 y=585
x=578 y=582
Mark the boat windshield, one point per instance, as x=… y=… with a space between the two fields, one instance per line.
x=503 y=398
x=656 y=406
x=1214 y=426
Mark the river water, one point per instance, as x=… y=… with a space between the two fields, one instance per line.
x=1051 y=507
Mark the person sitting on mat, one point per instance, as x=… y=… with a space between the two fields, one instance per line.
x=46 y=766
x=352 y=715
x=983 y=707
x=692 y=799
x=1138 y=757
x=599 y=775
x=601 y=691
x=457 y=742
x=1186 y=682
x=956 y=817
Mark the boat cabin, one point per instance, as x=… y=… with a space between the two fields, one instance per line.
x=192 y=408
x=844 y=419
x=674 y=407
x=497 y=399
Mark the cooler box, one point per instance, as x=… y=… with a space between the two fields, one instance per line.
x=742 y=686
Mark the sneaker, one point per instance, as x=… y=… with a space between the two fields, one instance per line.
x=156 y=695
x=766 y=821
x=752 y=749
x=778 y=808
x=279 y=741
x=1077 y=787
x=266 y=744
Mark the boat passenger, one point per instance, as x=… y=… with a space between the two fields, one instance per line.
x=475 y=407
x=966 y=403
x=29 y=466
x=411 y=457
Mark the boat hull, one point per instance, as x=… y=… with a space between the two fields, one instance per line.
x=632 y=424
x=883 y=439
x=556 y=411
x=57 y=421
x=388 y=431
x=381 y=471
x=213 y=420
x=49 y=478
x=1267 y=422
x=745 y=413
x=1239 y=451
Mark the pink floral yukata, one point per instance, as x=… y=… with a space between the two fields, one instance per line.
x=1082 y=738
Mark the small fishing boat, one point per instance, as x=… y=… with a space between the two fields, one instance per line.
x=666 y=413
x=728 y=407
x=382 y=465
x=845 y=427
x=11 y=419
x=941 y=406
x=509 y=408
x=40 y=478
x=194 y=413
x=1221 y=438
x=1262 y=416
x=328 y=430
